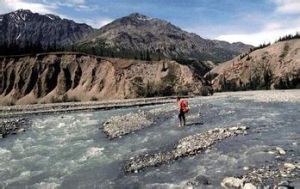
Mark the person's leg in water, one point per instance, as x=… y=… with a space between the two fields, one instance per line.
x=180 y=120
x=181 y=117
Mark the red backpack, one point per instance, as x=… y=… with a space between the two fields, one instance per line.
x=184 y=106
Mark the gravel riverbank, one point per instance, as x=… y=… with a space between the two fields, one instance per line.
x=38 y=109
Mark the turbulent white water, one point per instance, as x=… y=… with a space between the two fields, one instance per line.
x=70 y=150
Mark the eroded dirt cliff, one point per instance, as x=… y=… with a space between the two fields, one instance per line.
x=274 y=67
x=55 y=77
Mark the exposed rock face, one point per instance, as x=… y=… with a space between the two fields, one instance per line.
x=56 y=77
x=138 y=33
x=23 y=27
x=276 y=67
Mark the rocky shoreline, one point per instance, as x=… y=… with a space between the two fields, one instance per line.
x=273 y=175
x=187 y=146
x=269 y=176
x=13 y=126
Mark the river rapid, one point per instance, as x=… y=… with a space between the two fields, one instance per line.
x=71 y=151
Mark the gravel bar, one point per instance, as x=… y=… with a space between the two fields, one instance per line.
x=118 y=126
x=187 y=146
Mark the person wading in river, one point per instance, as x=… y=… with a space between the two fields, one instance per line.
x=183 y=109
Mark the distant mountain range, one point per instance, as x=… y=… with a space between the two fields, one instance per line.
x=134 y=36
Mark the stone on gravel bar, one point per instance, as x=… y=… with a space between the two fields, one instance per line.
x=249 y=186
x=280 y=151
x=289 y=166
x=232 y=183
x=187 y=146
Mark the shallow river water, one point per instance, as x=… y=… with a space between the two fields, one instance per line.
x=71 y=151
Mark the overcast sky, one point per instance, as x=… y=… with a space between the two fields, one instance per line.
x=249 y=21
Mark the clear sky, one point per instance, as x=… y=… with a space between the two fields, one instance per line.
x=250 y=21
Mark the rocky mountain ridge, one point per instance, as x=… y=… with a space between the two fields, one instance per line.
x=23 y=28
x=140 y=33
x=133 y=36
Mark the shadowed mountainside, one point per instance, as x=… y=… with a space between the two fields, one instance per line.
x=140 y=36
x=24 y=29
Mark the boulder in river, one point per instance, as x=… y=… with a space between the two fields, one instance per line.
x=280 y=151
x=12 y=126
